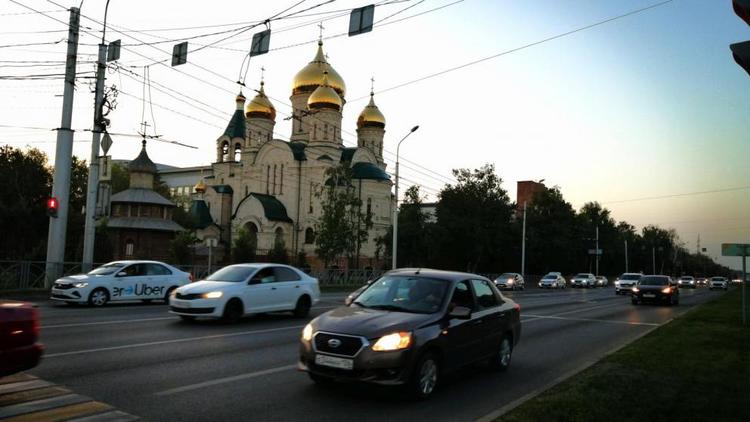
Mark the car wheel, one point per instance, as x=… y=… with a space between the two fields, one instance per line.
x=232 y=311
x=501 y=360
x=320 y=379
x=99 y=297
x=302 y=309
x=187 y=318
x=425 y=378
x=169 y=293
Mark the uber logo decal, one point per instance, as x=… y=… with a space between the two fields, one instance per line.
x=140 y=290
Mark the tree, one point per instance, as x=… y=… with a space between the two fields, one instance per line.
x=473 y=230
x=244 y=247
x=552 y=242
x=278 y=253
x=181 y=248
x=27 y=182
x=342 y=225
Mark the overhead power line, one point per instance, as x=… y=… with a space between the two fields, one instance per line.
x=678 y=195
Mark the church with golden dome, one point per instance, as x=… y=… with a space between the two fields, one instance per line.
x=271 y=187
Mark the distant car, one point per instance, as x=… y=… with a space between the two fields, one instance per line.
x=687 y=281
x=601 y=281
x=737 y=280
x=625 y=282
x=655 y=288
x=583 y=280
x=119 y=281
x=553 y=281
x=19 y=333
x=510 y=281
x=718 y=283
x=241 y=289
x=701 y=282
x=410 y=328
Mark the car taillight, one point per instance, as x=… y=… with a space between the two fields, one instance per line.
x=517 y=307
x=190 y=278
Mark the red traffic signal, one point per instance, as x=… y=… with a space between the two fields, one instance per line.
x=742 y=9
x=52 y=206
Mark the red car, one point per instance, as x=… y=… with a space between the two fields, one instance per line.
x=19 y=332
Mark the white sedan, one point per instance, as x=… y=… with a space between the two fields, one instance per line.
x=120 y=281
x=241 y=289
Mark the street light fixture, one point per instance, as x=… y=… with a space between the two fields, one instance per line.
x=395 y=208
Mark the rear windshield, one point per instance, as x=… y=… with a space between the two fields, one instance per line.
x=630 y=277
x=654 y=281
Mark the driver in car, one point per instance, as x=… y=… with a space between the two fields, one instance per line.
x=425 y=296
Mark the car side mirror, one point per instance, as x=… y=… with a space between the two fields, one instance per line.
x=460 y=312
x=349 y=299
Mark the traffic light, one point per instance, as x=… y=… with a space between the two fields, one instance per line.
x=741 y=50
x=52 y=206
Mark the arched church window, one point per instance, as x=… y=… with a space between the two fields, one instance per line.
x=268 y=177
x=309 y=236
x=225 y=151
x=237 y=152
x=252 y=230
x=281 y=176
x=274 y=179
x=278 y=237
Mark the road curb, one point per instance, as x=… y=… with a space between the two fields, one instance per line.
x=515 y=403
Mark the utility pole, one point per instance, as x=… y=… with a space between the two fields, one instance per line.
x=63 y=157
x=597 y=249
x=523 y=243
x=89 y=231
x=626 y=255
x=394 y=258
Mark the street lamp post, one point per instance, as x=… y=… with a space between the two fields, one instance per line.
x=395 y=208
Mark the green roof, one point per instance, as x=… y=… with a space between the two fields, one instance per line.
x=223 y=189
x=347 y=154
x=199 y=210
x=368 y=171
x=298 y=149
x=273 y=209
x=236 y=126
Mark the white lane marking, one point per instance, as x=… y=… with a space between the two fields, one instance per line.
x=537 y=317
x=225 y=380
x=119 y=321
x=591 y=308
x=179 y=340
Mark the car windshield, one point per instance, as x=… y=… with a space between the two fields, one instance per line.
x=630 y=277
x=404 y=294
x=581 y=275
x=550 y=277
x=233 y=273
x=686 y=278
x=717 y=279
x=106 y=269
x=507 y=275
x=654 y=281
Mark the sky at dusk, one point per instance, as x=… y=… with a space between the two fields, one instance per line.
x=649 y=105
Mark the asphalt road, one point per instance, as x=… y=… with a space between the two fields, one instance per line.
x=148 y=363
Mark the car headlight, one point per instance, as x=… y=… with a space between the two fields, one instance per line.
x=307 y=332
x=510 y=281
x=212 y=295
x=80 y=285
x=390 y=342
x=636 y=290
x=666 y=290
x=540 y=284
x=617 y=283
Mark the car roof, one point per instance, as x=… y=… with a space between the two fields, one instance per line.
x=136 y=261
x=439 y=274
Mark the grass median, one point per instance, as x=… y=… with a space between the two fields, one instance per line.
x=695 y=368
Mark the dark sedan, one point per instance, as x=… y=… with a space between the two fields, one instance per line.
x=656 y=288
x=410 y=327
x=19 y=333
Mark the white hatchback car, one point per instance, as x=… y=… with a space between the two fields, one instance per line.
x=241 y=289
x=119 y=281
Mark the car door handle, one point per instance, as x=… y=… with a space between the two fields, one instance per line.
x=273 y=288
x=296 y=287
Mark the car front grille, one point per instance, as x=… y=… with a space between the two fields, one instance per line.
x=347 y=345
x=188 y=296
x=62 y=286
x=195 y=311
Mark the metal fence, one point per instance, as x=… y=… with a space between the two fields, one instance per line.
x=19 y=275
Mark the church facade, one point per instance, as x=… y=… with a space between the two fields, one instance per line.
x=270 y=187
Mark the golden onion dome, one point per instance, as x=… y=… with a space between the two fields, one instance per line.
x=371 y=115
x=200 y=187
x=324 y=96
x=260 y=106
x=311 y=76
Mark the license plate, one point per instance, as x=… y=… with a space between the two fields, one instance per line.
x=334 y=362
x=649 y=295
x=180 y=303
